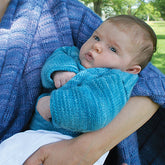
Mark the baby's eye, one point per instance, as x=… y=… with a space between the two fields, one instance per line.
x=113 y=49
x=96 y=38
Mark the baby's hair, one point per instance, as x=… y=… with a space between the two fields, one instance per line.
x=139 y=28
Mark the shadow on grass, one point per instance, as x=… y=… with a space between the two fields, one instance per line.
x=159 y=61
x=160 y=36
x=162 y=70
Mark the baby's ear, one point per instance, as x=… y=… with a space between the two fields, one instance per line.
x=135 y=69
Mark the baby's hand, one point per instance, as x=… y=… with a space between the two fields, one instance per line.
x=62 y=77
x=43 y=107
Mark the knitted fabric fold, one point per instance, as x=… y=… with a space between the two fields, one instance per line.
x=18 y=28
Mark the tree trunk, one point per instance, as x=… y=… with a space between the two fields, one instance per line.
x=129 y=11
x=148 y=18
x=98 y=6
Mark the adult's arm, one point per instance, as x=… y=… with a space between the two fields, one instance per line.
x=84 y=148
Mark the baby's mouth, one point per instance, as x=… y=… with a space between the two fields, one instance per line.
x=89 y=56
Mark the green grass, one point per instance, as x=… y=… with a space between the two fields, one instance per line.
x=159 y=57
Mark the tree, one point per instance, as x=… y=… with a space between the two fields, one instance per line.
x=144 y=9
x=122 y=7
x=97 y=5
x=148 y=12
x=115 y=7
x=160 y=6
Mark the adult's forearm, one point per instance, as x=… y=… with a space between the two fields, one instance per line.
x=87 y=148
x=137 y=111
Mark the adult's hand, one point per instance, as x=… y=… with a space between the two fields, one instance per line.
x=70 y=152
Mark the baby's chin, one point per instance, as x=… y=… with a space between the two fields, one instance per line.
x=85 y=64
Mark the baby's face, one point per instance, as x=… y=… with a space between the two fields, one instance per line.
x=109 y=47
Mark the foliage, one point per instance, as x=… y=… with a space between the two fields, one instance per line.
x=148 y=12
x=144 y=9
x=160 y=6
x=123 y=6
x=97 y=5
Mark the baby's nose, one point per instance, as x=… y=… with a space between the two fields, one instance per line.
x=98 y=48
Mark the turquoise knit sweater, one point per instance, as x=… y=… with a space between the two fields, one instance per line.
x=90 y=100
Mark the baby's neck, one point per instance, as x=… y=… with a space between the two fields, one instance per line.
x=3 y=7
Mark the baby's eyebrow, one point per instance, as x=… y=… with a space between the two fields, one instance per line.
x=96 y=32
x=116 y=44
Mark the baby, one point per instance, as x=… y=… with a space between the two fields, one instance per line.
x=93 y=84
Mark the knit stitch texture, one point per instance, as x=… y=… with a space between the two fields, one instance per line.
x=29 y=32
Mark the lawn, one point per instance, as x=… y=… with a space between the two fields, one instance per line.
x=159 y=57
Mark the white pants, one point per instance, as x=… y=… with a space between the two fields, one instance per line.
x=16 y=149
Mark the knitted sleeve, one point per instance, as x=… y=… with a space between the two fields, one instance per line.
x=90 y=104
x=151 y=83
x=63 y=59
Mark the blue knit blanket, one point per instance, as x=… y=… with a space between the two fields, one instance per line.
x=29 y=32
